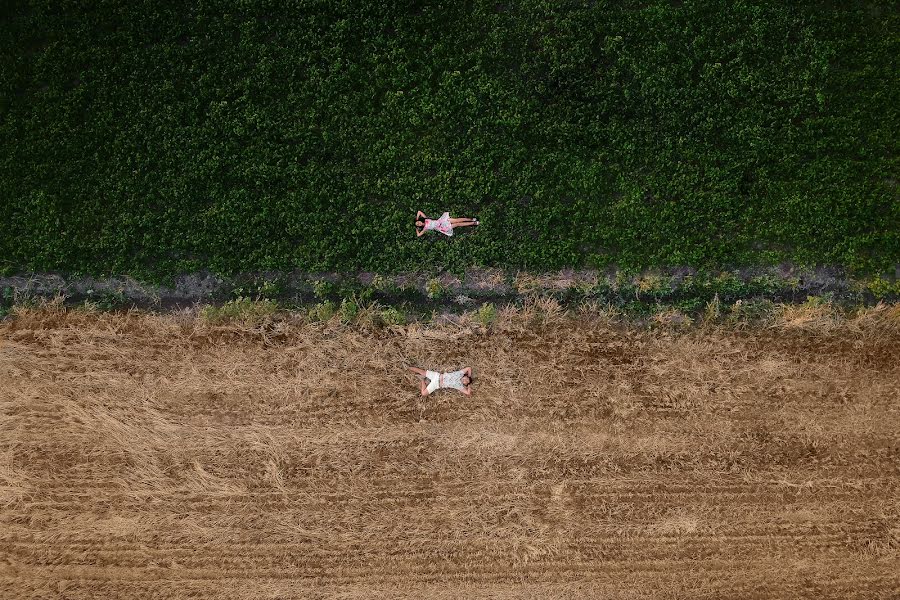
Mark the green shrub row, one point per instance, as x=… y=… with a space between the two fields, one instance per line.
x=155 y=138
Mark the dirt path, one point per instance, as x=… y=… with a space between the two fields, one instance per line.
x=154 y=457
x=446 y=292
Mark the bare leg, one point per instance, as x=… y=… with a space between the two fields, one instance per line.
x=456 y=220
x=465 y=224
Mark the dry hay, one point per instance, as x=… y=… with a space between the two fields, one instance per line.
x=158 y=457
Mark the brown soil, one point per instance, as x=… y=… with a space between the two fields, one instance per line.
x=157 y=457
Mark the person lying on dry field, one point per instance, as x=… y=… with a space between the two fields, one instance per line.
x=444 y=224
x=457 y=380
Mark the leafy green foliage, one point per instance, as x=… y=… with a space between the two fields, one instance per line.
x=154 y=138
x=323 y=289
x=486 y=314
x=434 y=290
x=349 y=310
x=393 y=316
x=260 y=288
x=323 y=311
x=7 y=295
x=752 y=312
x=106 y=299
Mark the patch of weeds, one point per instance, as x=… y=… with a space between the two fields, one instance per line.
x=347 y=289
x=486 y=314
x=463 y=300
x=349 y=310
x=818 y=301
x=883 y=288
x=691 y=305
x=637 y=309
x=323 y=289
x=815 y=311
x=323 y=311
x=366 y=294
x=6 y=268
x=6 y=301
x=694 y=285
x=594 y=308
x=585 y=291
x=605 y=291
x=243 y=310
x=270 y=289
x=753 y=312
x=434 y=289
x=383 y=285
x=392 y=316
x=713 y=310
x=106 y=300
x=670 y=318
x=792 y=283
x=368 y=316
x=654 y=285
x=261 y=289
x=622 y=282
x=728 y=285
x=764 y=284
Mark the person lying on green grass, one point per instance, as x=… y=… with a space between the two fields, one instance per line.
x=444 y=224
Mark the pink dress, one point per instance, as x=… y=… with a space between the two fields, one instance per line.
x=443 y=224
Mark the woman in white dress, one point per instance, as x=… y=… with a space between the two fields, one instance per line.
x=457 y=380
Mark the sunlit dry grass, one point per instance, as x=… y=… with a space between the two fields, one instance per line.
x=169 y=456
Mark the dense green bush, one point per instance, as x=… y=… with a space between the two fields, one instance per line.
x=152 y=138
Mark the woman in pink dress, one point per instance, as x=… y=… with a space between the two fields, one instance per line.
x=444 y=224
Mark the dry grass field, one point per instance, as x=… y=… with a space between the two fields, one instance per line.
x=158 y=456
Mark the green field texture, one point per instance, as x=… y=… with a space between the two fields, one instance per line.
x=152 y=138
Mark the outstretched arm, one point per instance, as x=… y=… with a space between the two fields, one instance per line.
x=417 y=371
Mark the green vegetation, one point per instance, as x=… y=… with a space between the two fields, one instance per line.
x=242 y=310
x=7 y=297
x=434 y=290
x=883 y=289
x=486 y=314
x=392 y=315
x=106 y=299
x=349 y=311
x=154 y=138
x=323 y=311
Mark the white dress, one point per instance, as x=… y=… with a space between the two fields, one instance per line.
x=445 y=380
x=434 y=380
x=454 y=380
x=442 y=224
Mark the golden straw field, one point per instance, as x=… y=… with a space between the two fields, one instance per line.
x=160 y=456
